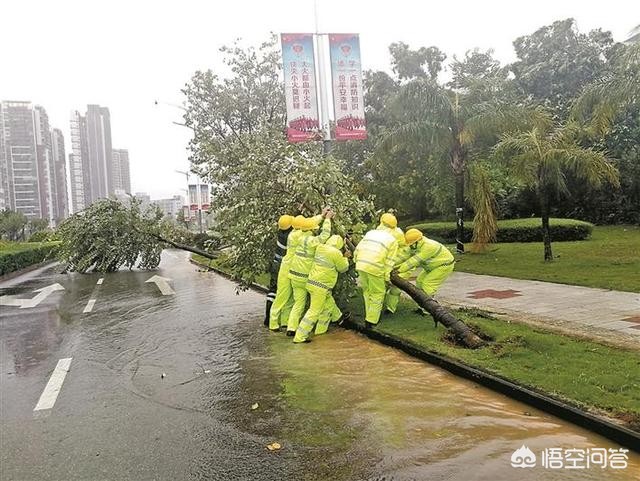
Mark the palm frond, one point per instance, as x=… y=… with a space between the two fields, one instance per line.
x=600 y=102
x=590 y=165
x=494 y=119
x=427 y=99
x=424 y=132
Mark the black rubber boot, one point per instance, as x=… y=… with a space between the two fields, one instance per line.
x=291 y=333
x=369 y=325
x=267 y=313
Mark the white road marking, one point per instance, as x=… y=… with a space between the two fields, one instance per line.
x=43 y=293
x=89 y=306
x=100 y=281
x=52 y=389
x=163 y=284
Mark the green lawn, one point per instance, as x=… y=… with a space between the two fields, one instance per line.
x=574 y=370
x=610 y=260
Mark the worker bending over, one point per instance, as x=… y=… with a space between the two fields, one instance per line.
x=327 y=264
x=435 y=259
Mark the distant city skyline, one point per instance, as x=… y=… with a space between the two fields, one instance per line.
x=137 y=54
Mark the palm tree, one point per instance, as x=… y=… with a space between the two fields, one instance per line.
x=451 y=125
x=600 y=102
x=540 y=157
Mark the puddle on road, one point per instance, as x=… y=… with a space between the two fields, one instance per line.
x=353 y=409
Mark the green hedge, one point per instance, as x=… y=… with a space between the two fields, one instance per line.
x=513 y=230
x=19 y=256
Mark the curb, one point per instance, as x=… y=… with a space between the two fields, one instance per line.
x=25 y=270
x=624 y=436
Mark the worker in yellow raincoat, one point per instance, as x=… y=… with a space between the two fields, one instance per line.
x=284 y=229
x=283 y=301
x=435 y=259
x=327 y=264
x=374 y=257
x=302 y=262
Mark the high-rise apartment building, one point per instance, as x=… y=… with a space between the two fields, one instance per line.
x=79 y=164
x=60 y=207
x=96 y=170
x=19 y=159
x=121 y=173
x=100 y=152
x=30 y=181
x=42 y=134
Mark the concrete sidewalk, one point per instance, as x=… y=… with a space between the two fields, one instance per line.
x=599 y=314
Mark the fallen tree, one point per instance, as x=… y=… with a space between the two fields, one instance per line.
x=459 y=329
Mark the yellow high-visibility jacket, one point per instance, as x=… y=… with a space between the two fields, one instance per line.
x=327 y=263
x=376 y=252
x=428 y=254
x=306 y=250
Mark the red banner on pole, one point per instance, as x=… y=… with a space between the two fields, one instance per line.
x=300 y=87
x=348 y=97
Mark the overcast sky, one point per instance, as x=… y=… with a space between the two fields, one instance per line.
x=123 y=54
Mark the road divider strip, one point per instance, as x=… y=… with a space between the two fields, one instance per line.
x=52 y=389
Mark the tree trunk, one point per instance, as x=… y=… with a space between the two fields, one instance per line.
x=546 y=232
x=459 y=179
x=458 y=167
x=184 y=247
x=459 y=329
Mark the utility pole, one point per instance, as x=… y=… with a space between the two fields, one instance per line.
x=323 y=98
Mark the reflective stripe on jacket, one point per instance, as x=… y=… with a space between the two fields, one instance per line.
x=376 y=252
x=305 y=251
x=428 y=254
x=327 y=263
x=292 y=244
x=281 y=245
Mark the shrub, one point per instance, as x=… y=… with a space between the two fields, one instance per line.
x=512 y=230
x=44 y=236
x=24 y=255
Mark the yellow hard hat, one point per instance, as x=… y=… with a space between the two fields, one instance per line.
x=412 y=235
x=389 y=220
x=298 y=222
x=309 y=224
x=285 y=221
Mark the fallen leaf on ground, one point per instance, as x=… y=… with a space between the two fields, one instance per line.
x=274 y=446
x=255 y=406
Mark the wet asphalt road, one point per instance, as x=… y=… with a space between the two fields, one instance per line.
x=342 y=407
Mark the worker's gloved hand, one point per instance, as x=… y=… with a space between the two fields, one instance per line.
x=402 y=268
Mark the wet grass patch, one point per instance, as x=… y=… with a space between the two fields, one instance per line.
x=586 y=374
